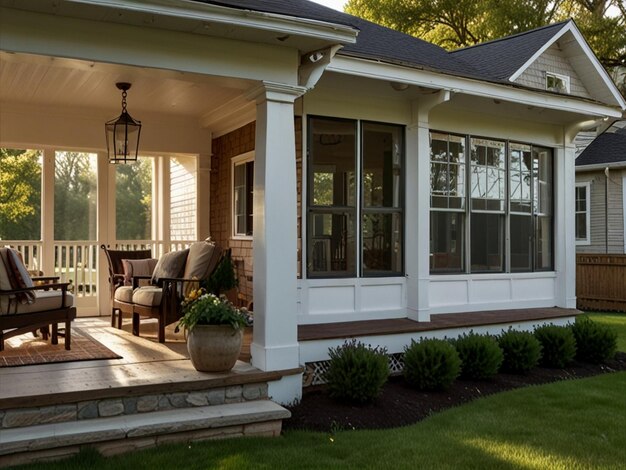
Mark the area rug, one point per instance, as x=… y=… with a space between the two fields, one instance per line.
x=29 y=350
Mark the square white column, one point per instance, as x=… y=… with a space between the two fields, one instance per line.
x=275 y=340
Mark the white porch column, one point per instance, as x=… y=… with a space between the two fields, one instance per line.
x=47 y=213
x=105 y=228
x=275 y=342
x=203 y=190
x=564 y=231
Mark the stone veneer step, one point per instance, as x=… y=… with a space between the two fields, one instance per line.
x=130 y=432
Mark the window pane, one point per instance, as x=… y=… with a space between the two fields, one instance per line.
x=520 y=177
x=542 y=176
x=581 y=213
x=183 y=198
x=133 y=200
x=487 y=242
x=20 y=194
x=332 y=155
x=382 y=243
x=243 y=197
x=581 y=226
x=543 y=236
x=521 y=242
x=447 y=172
x=75 y=191
x=383 y=149
x=447 y=242
x=488 y=174
x=331 y=244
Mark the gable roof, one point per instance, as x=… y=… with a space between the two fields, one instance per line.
x=498 y=61
x=607 y=148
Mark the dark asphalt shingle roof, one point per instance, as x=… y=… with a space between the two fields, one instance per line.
x=501 y=58
x=609 y=147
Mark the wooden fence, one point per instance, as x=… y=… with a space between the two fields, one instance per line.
x=601 y=282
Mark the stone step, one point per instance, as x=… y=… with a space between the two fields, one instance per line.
x=131 y=432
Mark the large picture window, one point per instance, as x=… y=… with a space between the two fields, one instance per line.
x=508 y=222
x=355 y=198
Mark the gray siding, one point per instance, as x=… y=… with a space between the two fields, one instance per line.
x=615 y=212
x=552 y=60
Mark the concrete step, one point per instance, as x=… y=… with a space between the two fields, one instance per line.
x=131 y=432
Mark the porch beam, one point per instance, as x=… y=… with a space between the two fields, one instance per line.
x=275 y=342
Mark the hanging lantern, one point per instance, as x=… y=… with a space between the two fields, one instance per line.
x=123 y=133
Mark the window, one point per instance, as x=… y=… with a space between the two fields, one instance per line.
x=510 y=188
x=243 y=194
x=183 y=198
x=346 y=237
x=557 y=82
x=582 y=214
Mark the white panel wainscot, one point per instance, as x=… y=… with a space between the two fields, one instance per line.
x=474 y=292
x=352 y=299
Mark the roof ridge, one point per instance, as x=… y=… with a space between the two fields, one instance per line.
x=506 y=38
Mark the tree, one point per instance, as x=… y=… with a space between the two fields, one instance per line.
x=20 y=194
x=459 y=23
x=133 y=191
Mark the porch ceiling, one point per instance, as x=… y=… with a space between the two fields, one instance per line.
x=67 y=83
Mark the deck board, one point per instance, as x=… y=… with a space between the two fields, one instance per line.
x=438 y=322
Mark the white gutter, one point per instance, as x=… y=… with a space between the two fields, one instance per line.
x=209 y=13
x=425 y=78
x=601 y=166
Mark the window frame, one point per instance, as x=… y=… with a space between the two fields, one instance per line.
x=587 y=185
x=235 y=161
x=564 y=78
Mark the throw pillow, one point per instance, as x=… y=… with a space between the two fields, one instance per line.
x=170 y=264
x=138 y=267
x=19 y=277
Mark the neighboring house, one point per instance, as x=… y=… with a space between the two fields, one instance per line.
x=601 y=193
x=358 y=172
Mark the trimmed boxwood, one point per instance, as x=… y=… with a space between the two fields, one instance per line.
x=558 y=345
x=522 y=351
x=431 y=364
x=595 y=343
x=356 y=372
x=480 y=355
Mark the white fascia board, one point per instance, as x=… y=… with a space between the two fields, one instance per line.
x=600 y=166
x=582 y=43
x=425 y=78
x=283 y=24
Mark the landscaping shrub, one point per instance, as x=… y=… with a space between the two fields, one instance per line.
x=431 y=364
x=356 y=372
x=558 y=346
x=480 y=355
x=522 y=351
x=595 y=343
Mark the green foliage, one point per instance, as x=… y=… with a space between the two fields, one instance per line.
x=201 y=308
x=224 y=277
x=431 y=364
x=595 y=343
x=459 y=23
x=20 y=194
x=356 y=372
x=558 y=345
x=133 y=200
x=480 y=355
x=522 y=351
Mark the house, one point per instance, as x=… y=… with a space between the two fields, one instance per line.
x=358 y=174
x=600 y=195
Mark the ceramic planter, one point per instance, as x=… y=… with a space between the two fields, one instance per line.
x=214 y=348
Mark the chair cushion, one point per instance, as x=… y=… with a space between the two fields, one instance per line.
x=171 y=264
x=44 y=300
x=138 y=267
x=149 y=296
x=124 y=294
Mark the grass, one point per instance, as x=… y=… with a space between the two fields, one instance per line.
x=573 y=424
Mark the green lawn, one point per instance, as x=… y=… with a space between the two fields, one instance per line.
x=566 y=425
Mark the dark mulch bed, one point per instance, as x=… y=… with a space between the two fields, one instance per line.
x=400 y=405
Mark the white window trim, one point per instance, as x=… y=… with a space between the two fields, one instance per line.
x=234 y=161
x=565 y=78
x=587 y=185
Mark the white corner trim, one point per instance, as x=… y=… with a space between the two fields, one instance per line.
x=571 y=27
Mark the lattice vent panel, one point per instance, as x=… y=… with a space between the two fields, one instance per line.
x=314 y=371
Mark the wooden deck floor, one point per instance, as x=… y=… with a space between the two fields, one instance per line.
x=437 y=322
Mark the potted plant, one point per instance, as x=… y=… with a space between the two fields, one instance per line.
x=214 y=330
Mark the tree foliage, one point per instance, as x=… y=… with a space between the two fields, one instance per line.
x=133 y=192
x=20 y=194
x=458 y=23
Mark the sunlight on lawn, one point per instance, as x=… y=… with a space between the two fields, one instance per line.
x=521 y=456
